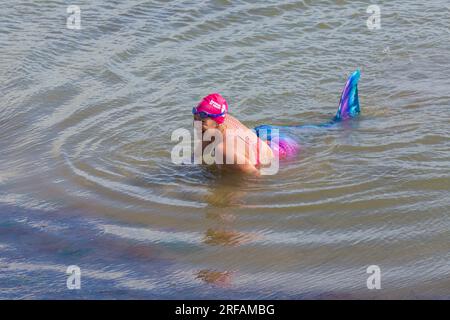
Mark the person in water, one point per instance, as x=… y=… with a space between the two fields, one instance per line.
x=259 y=149
x=212 y=111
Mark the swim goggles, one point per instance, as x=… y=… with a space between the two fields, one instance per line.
x=204 y=115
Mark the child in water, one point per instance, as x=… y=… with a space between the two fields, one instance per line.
x=212 y=111
x=259 y=148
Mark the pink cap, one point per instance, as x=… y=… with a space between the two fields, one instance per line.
x=214 y=104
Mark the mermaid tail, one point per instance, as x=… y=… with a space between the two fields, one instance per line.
x=349 y=103
x=288 y=135
x=281 y=144
x=348 y=107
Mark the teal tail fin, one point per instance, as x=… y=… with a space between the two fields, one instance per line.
x=349 y=103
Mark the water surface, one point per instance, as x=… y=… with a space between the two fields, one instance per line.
x=86 y=179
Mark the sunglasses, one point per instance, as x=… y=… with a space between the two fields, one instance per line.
x=204 y=115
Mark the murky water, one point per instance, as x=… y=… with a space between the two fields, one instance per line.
x=86 y=179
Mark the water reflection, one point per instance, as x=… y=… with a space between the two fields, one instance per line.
x=226 y=193
x=218 y=278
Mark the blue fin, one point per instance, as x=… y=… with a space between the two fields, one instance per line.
x=349 y=103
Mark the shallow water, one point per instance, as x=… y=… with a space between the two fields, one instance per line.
x=86 y=178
